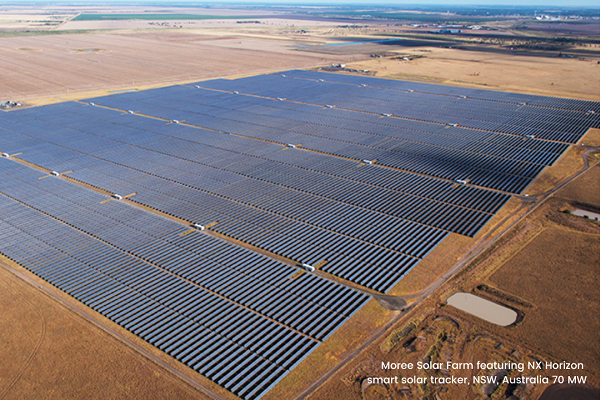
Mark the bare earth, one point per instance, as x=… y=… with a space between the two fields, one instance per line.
x=541 y=265
x=59 y=65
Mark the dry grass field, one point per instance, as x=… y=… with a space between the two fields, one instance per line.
x=49 y=352
x=491 y=70
x=567 y=262
x=36 y=67
x=586 y=192
x=184 y=24
x=135 y=54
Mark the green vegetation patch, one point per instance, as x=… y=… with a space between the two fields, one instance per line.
x=397 y=336
x=408 y=16
x=149 y=17
x=28 y=32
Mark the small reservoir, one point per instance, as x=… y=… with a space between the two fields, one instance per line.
x=584 y=213
x=482 y=308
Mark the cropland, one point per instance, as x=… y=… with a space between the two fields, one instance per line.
x=241 y=204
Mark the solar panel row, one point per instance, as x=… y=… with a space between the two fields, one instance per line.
x=284 y=236
x=196 y=257
x=416 y=132
x=299 y=170
x=94 y=251
x=489 y=95
x=364 y=137
x=411 y=145
x=569 y=126
x=373 y=236
x=121 y=297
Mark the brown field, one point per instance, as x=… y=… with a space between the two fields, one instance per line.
x=48 y=351
x=193 y=24
x=562 y=77
x=561 y=28
x=587 y=190
x=440 y=335
x=591 y=138
x=566 y=261
x=38 y=21
x=135 y=54
x=54 y=66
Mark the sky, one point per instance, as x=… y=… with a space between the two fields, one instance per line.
x=553 y=3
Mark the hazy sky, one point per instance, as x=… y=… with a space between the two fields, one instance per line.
x=553 y=3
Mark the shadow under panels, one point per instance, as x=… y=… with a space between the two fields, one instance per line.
x=231 y=314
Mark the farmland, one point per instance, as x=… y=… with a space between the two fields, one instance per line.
x=151 y=17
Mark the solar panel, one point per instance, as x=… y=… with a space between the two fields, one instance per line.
x=358 y=177
x=141 y=271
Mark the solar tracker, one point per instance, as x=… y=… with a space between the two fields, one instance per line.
x=553 y=119
x=273 y=210
x=357 y=178
x=497 y=161
x=482 y=94
x=141 y=271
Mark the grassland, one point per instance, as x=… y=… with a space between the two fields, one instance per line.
x=491 y=70
x=29 y=33
x=49 y=351
x=566 y=261
x=585 y=192
x=152 y=17
x=126 y=61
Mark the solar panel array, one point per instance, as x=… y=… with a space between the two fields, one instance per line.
x=548 y=118
x=233 y=315
x=356 y=176
x=481 y=94
x=487 y=159
x=368 y=223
